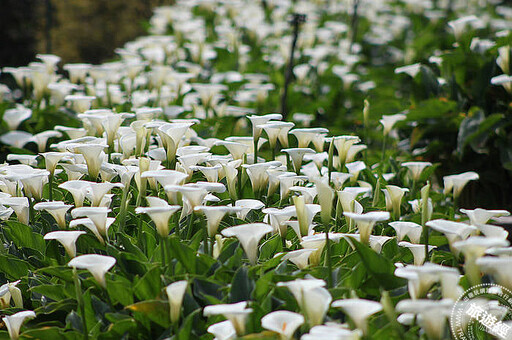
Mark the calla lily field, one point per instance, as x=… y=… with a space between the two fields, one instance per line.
x=329 y=169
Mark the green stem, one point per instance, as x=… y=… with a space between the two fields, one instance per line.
x=50 y=187
x=383 y=155
x=80 y=301
x=190 y=226
x=328 y=259
x=122 y=210
x=162 y=248
x=255 y=150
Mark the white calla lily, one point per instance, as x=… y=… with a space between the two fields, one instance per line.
x=97 y=265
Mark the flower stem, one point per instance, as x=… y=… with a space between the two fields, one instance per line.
x=50 y=187
x=190 y=226
x=328 y=259
x=80 y=301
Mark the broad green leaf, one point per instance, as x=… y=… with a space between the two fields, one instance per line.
x=380 y=268
x=241 y=286
x=24 y=237
x=155 y=310
x=149 y=286
x=12 y=267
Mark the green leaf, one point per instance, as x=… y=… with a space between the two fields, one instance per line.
x=149 y=286
x=24 y=237
x=430 y=109
x=154 y=310
x=241 y=286
x=380 y=268
x=190 y=321
x=270 y=247
x=12 y=267
x=55 y=292
x=120 y=290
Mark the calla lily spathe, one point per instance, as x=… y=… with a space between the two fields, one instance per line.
x=359 y=310
x=14 y=322
x=249 y=236
x=97 y=265
x=283 y=322
x=66 y=238
x=175 y=293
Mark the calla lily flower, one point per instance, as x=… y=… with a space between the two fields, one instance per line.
x=14 y=117
x=454 y=231
x=314 y=300
x=78 y=189
x=214 y=215
x=98 y=215
x=30 y=160
x=21 y=207
x=317 y=243
x=432 y=314
x=160 y=212
x=499 y=267
x=355 y=168
x=18 y=139
x=347 y=197
x=422 y=278
x=297 y=154
x=459 y=25
x=41 y=139
x=237 y=150
x=111 y=124
x=279 y=218
x=258 y=174
x=97 y=265
x=57 y=209
x=277 y=130
x=474 y=248
x=482 y=216
x=306 y=135
x=246 y=206
x=305 y=213
x=260 y=120
x=334 y=331
x=366 y=222
x=236 y=313
x=175 y=292
x=67 y=239
x=417 y=250
x=80 y=103
x=14 y=322
x=388 y=122
x=394 y=196
x=286 y=181
x=410 y=229
x=223 y=330
x=52 y=158
x=343 y=144
x=249 y=236
x=456 y=183
x=34 y=182
x=96 y=191
x=300 y=257
x=8 y=291
x=359 y=310
x=353 y=151
x=282 y=322
x=309 y=193
x=325 y=198
x=416 y=168
x=92 y=154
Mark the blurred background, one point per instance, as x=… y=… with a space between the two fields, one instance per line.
x=76 y=30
